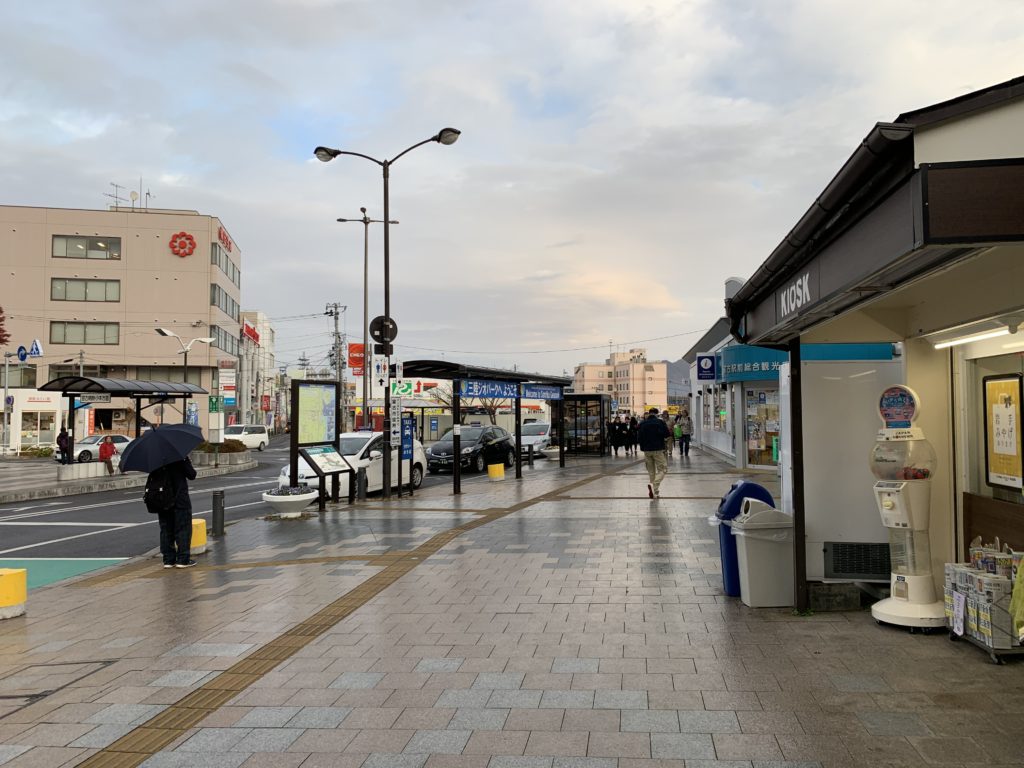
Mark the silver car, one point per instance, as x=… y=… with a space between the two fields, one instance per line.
x=364 y=449
x=88 y=448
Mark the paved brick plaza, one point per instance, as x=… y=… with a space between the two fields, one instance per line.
x=565 y=621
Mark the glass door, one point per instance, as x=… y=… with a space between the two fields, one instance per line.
x=761 y=425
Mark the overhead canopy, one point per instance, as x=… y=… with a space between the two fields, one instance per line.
x=76 y=385
x=443 y=369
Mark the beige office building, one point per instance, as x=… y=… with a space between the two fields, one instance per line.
x=92 y=286
x=634 y=383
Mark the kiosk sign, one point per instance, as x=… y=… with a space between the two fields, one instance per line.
x=898 y=407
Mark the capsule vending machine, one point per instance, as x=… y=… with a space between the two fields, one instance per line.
x=903 y=463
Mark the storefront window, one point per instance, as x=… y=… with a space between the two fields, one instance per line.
x=37 y=428
x=988 y=455
x=761 y=411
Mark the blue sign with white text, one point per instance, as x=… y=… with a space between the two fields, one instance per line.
x=490 y=389
x=706 y=368
x=408 y=430
x=542 y=392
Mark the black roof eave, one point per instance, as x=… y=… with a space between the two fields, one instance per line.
x=79 y=385
x=444 y=369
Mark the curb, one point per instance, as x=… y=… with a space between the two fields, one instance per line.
x=134 y=480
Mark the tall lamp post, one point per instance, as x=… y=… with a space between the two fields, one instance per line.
x=7 y=416
x=366 y=221
x=446 y=136
x=184 y=351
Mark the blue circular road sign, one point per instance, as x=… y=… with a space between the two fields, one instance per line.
x=22 y=354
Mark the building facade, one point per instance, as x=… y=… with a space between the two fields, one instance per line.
x=259 y=370
x=634 y=383
x=91 y=287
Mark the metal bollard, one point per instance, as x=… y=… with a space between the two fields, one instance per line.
x=529 y=455
x=218 y=514
x=361 y=484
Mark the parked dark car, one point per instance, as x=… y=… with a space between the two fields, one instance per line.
x=480 y=447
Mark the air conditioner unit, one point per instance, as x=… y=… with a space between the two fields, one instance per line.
x=117 y=416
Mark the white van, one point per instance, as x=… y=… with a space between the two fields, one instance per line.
x=252 y=435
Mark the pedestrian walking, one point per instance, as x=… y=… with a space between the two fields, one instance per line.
x=669 y=441
x=631 y=437
x=617 y=435
x=677 y=434
x=63 y=446
x=652 y=433
x=167 y=497
x=686 y=432
x=107 y=452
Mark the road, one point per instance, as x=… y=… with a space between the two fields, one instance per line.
x=75 y=534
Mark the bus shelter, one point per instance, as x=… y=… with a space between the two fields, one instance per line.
x=85 y=390
x=475 y=381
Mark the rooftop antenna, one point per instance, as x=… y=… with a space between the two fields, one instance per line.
x=116 y=195
x=134 y=196
x=148 y=196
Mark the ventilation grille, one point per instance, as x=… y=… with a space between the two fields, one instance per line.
x=862 y=562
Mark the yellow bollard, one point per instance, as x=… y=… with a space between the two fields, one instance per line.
x=13 y=592
x=198 y=545
x=495 y=471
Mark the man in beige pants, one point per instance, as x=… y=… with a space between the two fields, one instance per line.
x=652 y=434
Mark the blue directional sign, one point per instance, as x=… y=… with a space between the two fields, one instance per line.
x=491 y=389
x=542 y=392
x=22 y=354
x=706 y=368
x=408 y=430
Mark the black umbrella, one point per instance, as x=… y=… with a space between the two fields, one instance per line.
x=160 y=446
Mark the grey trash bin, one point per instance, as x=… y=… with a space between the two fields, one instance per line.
x=764 y=549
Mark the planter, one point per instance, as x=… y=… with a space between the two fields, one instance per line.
x=291 y=506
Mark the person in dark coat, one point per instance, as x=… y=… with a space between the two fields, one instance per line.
x=63 y=445
x=176 y=523
x=631 y=435
x=616 y=434
x=653 y=432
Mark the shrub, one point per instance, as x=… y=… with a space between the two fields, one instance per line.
x=228 y=446
x=292 y=491
x=38 y=452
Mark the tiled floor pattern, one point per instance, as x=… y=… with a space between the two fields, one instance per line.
x=586 y=629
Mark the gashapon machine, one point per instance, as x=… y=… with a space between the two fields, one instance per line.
x=903 y=463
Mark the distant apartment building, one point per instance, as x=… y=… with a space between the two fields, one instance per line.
x=634 y=383
x=92 y=286
x=258 y=369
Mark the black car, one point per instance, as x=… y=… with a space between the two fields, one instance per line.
x=480 y=447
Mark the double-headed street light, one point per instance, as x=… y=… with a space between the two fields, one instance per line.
x=446 y=136
x=184 y=351
x=366 y=221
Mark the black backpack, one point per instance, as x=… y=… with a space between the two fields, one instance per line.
x=160 y=492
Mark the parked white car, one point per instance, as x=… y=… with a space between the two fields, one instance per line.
x=537 y=434
x=252 y=435
x=88 y=448
x=365 y=449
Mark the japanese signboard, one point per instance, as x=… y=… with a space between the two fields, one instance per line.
x=488 y=389
x=542 y=392
x=1002 y=397
x=408 y=432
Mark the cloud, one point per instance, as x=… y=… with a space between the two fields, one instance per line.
x=618 y=160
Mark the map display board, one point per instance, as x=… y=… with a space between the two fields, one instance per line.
x=324 y=459
x=317 y=413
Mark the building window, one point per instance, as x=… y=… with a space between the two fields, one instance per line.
x=73 y=289
x=219 y=258
x=84 y=333
x=220 y=298
x=224 y=340
x=173 y=374
x=23 y=375
x=76 y=247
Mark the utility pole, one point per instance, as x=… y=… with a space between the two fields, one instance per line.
x=81 y=363
x=334 y=310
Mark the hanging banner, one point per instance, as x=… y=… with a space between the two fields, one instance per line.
x=1002 y=397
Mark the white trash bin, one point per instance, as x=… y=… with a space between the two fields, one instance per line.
x=764 y=549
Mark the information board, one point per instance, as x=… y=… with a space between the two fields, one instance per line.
x=488 y=389
x=324 y=460
x=542 y=392
x=1002 y=397
x=408 y=433
x=317 y=413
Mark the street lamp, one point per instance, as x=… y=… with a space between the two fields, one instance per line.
x=366 y=221
x=446 y=136
x=184 y=351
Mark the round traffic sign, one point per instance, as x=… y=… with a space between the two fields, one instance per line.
x=22 y=354
x=382 y=330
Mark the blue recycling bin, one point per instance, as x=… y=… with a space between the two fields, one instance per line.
x=728 y=508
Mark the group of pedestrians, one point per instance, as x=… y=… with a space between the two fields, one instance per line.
x=656 y=437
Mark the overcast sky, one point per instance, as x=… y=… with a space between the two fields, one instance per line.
x=618 y=159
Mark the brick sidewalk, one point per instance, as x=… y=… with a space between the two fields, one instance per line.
x=562 y=622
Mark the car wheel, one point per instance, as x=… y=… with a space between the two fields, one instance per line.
x=261 y=446
x=417 y=476
x=510 y=459
x=479 y=464
x=84 y=457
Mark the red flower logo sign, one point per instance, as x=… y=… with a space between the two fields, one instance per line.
x=182 y=244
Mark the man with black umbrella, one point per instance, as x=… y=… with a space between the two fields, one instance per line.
x=176 y=521
x=163 y=452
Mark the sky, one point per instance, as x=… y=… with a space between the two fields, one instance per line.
x=619 y=160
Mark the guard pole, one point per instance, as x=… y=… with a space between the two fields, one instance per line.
x=519 y=433
x=456 y=439
x=217 y=518
x=561 y=432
